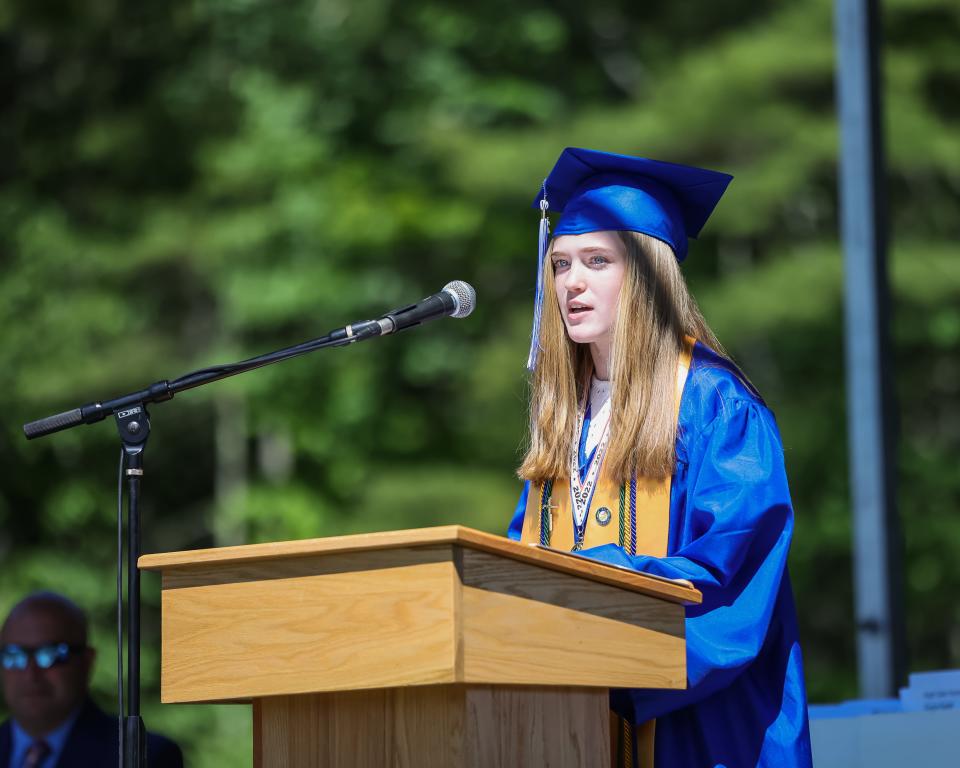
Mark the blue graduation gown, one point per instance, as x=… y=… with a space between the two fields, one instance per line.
x=731 y=521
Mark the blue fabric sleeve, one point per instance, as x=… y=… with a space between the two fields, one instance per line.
x=516 y=524
x=736 y=523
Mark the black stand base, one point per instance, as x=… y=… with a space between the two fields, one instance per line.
x=134 y=741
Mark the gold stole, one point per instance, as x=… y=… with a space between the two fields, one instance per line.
x=635 y=516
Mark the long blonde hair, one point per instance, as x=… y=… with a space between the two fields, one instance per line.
x=654 y=312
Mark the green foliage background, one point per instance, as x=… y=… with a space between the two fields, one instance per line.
x=194 y=181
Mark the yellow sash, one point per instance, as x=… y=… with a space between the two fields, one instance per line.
x=635 y=516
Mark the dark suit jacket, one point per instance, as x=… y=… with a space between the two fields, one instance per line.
x=92 y=743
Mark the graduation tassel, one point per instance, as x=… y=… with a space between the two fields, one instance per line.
x=542 y=240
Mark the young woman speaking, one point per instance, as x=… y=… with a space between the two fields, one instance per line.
x=650 y=449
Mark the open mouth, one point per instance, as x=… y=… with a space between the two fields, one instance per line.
x=578 y=309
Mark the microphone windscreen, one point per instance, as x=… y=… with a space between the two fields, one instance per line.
x=464 y=295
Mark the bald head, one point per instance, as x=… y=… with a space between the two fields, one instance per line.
x=41 y=699
x=68 y=615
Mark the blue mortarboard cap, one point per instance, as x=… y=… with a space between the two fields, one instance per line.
x=598 y=191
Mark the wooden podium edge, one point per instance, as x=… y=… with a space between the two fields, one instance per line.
x=681 y=592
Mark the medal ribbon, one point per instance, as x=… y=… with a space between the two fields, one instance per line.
x=581 y=493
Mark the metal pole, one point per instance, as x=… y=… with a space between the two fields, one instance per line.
x=133 y=424
x=870 y=402
x=134 y=736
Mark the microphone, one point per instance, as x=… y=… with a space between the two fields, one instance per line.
x=457 y=299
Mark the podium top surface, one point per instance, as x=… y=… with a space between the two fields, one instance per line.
x=676 y=591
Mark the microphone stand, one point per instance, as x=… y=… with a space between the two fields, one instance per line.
x=133 y=424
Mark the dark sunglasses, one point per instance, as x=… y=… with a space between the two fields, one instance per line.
x=44 y=656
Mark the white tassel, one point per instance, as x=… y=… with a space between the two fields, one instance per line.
x=542 y=240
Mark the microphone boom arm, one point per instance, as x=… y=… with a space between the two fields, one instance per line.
x=456 y=299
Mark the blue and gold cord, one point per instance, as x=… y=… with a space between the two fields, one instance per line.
x=622 y=516
x=546 y=524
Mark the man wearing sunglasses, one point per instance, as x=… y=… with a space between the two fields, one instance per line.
x=46 y=666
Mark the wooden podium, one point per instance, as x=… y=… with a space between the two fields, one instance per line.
x=440 y=647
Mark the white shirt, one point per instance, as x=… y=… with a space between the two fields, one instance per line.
x=599 y=413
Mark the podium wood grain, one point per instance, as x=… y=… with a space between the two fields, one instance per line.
x=448 y=726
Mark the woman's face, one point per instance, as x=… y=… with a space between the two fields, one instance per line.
x=588 y=271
